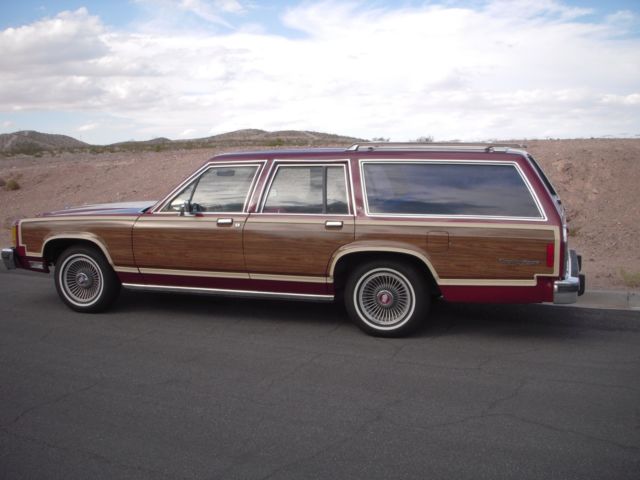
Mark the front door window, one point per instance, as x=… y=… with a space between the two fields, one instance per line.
x=220 y=189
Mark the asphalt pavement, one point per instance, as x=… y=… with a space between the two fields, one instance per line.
x=178 y=386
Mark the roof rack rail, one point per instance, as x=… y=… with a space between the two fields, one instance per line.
x=459 y=146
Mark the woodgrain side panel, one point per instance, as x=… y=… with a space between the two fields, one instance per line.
x=189 y=243
x=111 y=234
x=471 y=252
x=293 y=244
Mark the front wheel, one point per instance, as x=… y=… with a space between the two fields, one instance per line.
x=387 y=299
x=84 y=279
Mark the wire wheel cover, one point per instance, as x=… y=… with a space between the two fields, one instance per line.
x=385 y=297
x=81 y=279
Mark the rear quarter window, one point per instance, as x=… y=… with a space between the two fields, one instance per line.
x=448 y=189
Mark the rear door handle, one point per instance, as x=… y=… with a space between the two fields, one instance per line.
x=333 y=224
x=223 y=222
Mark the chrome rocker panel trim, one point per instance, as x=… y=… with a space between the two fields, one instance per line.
x=229 y=293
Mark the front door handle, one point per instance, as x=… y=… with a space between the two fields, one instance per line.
x=225 y=222
x=333 y=224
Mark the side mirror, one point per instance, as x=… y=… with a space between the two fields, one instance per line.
x=185 y=208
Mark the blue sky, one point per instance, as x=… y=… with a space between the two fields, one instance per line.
x=468 y=70
x=124 y=13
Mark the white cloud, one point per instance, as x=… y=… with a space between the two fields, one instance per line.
x=87 y=127
x=68 y=37
x=189 y=132
x=632 y=99
x=509 y=69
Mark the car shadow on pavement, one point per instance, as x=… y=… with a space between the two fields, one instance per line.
x=445 y=319
x=231 y=309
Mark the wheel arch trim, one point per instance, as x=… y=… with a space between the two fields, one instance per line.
x=370 y=249
x=85 y=237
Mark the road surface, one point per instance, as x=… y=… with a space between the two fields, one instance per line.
x=178 y=386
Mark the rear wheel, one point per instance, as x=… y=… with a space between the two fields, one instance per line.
x=387 y=299
x=84 y=279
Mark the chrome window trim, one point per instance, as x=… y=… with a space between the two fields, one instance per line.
x=264 y=186
x=157 y=209
x=354 y=211
x=365 y=200
x=273 y=172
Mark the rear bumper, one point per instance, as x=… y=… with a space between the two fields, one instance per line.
x=9 y=258
x=572 y=286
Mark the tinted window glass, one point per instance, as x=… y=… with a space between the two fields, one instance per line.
x=447 y=189
x=219 y=189
x=178 y=201
x=312 y=189
x=336 y=191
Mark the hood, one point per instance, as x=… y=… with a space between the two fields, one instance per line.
x=121 y=208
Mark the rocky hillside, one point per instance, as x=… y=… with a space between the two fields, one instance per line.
x=252 y=137
x=30 y=142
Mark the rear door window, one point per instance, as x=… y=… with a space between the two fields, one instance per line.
x=308 y=189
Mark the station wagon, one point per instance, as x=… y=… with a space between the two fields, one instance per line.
x=384 y=227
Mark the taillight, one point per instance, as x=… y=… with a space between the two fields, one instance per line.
x=551 y=250
x=564 y=249
x=14 y=235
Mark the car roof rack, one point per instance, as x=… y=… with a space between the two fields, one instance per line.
x=454 y=146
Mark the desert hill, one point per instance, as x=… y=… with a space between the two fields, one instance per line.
x=256 y=137
x=29 y=142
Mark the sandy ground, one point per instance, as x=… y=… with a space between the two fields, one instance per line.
x=598 y=181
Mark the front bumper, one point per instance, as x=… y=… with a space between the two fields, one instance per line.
x=9 y=258
x=572 y=286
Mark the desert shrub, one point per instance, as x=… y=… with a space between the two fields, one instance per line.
x=630 y=279
x=27 y=150
x=12 y=184
x=2 y=182
x=278 y=142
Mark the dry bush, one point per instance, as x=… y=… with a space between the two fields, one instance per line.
x=630 y=279
x=12 y=184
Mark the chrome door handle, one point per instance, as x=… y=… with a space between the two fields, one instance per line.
x=225 y=221
x=333 y=224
